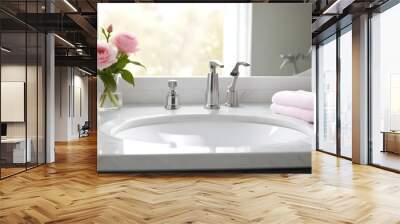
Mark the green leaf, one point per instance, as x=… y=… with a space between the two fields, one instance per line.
x=108 y=81
x=127 y=76
x=137 y=63
x=120 y=64
x=124 y=56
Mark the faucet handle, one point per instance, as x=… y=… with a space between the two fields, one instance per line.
x=214 y=64
x=172 y=84
x=235 y=71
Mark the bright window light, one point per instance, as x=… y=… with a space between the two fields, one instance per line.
x=179 y=39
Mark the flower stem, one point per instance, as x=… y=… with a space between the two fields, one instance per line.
x=112 y=97
x=102 y=99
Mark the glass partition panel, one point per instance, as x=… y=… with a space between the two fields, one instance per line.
x=32 y=97
x=327 y=95
x=15 y=149
x=23 y=88
x=346 y=93
x=385 y=89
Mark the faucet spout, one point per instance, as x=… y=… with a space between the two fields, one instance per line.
x=231 y=93
x=235 y=70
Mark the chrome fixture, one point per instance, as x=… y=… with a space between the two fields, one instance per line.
x=290 y=59
x=172 y=102
x=231 y=93
x=293 y=58
x=212 y=90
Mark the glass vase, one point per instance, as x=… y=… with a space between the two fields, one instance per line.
x=109 y=100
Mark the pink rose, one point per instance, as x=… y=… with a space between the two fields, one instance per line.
x=106 y=55
x=125 y=42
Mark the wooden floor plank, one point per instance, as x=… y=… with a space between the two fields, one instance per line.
x=71 y=191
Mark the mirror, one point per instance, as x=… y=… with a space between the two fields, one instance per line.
x=179 y=39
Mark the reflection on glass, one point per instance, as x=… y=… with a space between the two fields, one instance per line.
x=385 y=85
x=327 y=96
x=346 y=93
x=15 y=149
x=31 y=100
x=22 y=91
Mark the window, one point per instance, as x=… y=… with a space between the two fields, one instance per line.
x=346 y=92
x=197 y=35
x=335 y=73
x=394 y=101
x=327 y=95
x=385 y=86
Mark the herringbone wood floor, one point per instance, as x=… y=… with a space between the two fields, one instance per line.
x=70 y=191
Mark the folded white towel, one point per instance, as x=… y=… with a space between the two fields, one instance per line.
x=302 y=99
x=306 y=115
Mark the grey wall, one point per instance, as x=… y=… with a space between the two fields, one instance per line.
x=276 y=29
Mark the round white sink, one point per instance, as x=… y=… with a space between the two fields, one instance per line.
x=207 y=134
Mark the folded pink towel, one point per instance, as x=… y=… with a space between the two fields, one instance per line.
x=306 y=115
x=299 y=98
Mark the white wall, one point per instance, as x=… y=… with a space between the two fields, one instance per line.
x=279 y=29
x=14 y=73
x=70 y=83
x=34 y=125
x=17 y=73
x=80 y=114
x=61 y=103
x=12 y=101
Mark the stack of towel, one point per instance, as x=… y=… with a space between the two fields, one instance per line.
x=298 y=104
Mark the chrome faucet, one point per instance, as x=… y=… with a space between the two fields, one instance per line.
x=231 y=93
x=212 y=90
x=172 y=101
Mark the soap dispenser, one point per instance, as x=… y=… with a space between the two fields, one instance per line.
x=212 y=89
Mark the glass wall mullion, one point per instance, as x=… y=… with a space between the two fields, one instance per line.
x=317 y=96
x=338 y=76
x=1 y=158
x=26 y=88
